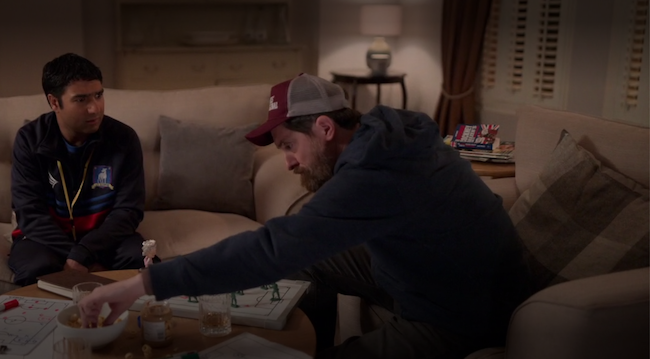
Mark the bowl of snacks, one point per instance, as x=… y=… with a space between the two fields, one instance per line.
x=69 y=324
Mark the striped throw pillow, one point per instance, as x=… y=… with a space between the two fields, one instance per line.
x=581 y=219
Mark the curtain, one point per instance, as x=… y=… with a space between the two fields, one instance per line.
x=463 y=27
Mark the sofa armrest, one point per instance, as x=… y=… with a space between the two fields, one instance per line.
x=604 y=316
x=276 y=190
x=504 y=187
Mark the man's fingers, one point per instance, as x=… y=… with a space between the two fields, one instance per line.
x=89 y=314
x=112 y=317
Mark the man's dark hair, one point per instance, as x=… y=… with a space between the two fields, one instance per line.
x=346 y=118
x=65 y=69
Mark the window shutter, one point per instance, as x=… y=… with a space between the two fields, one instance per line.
x=531 y=64
x=490 y=47
x=635 y=53
x=547 y=49
x=518 y=46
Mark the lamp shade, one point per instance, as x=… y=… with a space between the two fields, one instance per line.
x=381 y=20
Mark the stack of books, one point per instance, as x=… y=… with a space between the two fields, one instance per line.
x=61 y=283
x=480 y=143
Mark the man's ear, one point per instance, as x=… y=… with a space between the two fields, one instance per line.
x=325 y=127
x=53 y=101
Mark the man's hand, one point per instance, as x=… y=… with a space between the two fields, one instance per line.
x=119 y=296
x=74 y=265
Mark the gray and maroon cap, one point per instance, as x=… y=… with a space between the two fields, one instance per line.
x=303 y=95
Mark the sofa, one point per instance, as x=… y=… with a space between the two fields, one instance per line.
x=265 y=188
x=592 y=256
x=598 y=316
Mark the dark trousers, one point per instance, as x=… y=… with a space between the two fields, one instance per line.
x=29 y=260
x=349 y=273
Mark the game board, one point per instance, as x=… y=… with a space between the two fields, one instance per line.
x=255 y=306
x=24 y=327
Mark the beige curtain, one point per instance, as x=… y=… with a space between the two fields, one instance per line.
x=463 y=27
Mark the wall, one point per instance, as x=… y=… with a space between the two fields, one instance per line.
x=416 y=51
x=33 y=32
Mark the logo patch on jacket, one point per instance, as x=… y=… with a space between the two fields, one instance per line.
x=102 y=177
x=53 y=181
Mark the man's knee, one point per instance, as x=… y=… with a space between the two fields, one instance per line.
x=29 y=260
x=27 y=272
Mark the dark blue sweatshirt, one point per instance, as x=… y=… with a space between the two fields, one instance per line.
x=104 y=214
x=441 y=242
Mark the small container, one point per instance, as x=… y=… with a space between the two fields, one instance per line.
x=214 y=315
x=156 y=323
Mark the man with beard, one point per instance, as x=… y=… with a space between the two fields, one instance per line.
x=397 y=218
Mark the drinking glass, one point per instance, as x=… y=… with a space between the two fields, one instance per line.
x=83 y=289
x=214 y=315
x=71 y=348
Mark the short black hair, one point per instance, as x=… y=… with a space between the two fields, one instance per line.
x=65 y=69
x=346 y=118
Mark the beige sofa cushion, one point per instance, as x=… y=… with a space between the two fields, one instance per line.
x=621 y=147
x=581 y=219
x=205 y=167
x=179 y=232
x=218 y=105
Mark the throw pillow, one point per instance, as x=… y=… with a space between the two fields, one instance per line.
x=581 y=219
x=205 y=167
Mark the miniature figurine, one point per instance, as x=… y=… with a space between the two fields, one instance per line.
x=148 y=251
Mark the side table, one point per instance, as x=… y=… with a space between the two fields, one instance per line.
x=494 y=170
x=356 y=77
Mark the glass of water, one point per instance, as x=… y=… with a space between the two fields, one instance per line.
x=83 y=289
x=71 y=348
x=214 y=315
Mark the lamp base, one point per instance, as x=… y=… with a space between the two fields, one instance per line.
x=378 y=57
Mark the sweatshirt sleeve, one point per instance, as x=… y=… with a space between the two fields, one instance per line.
x=28 y=189
x=127 y=212
x=343 y=213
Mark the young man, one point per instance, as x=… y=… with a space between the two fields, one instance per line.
x=397 y=218
x=77 y=181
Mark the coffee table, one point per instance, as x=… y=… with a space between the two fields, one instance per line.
x=298 y=333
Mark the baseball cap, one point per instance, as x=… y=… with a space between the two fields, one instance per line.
x=303 y=95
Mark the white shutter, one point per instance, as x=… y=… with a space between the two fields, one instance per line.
x=627 y=95
x=547 y=49
x=635 y=57
x=518 y=46
x=531 y=41
x=490 y=47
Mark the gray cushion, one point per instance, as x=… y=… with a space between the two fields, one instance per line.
x=581 y=219
x=205 y=167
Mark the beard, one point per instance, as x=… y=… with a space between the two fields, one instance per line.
x=314 y=177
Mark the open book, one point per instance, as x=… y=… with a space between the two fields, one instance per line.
x=61 y=283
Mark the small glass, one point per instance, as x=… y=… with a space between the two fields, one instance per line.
x=71 y=348
x=214 y=315
x=79 y=291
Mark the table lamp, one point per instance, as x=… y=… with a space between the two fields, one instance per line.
x=380 y=21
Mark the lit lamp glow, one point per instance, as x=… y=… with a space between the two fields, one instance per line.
x=380 y=21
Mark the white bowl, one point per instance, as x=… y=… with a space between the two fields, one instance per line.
x=97 y=337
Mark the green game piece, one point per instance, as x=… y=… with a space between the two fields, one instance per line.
x=275 y=296
x=233 y=300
